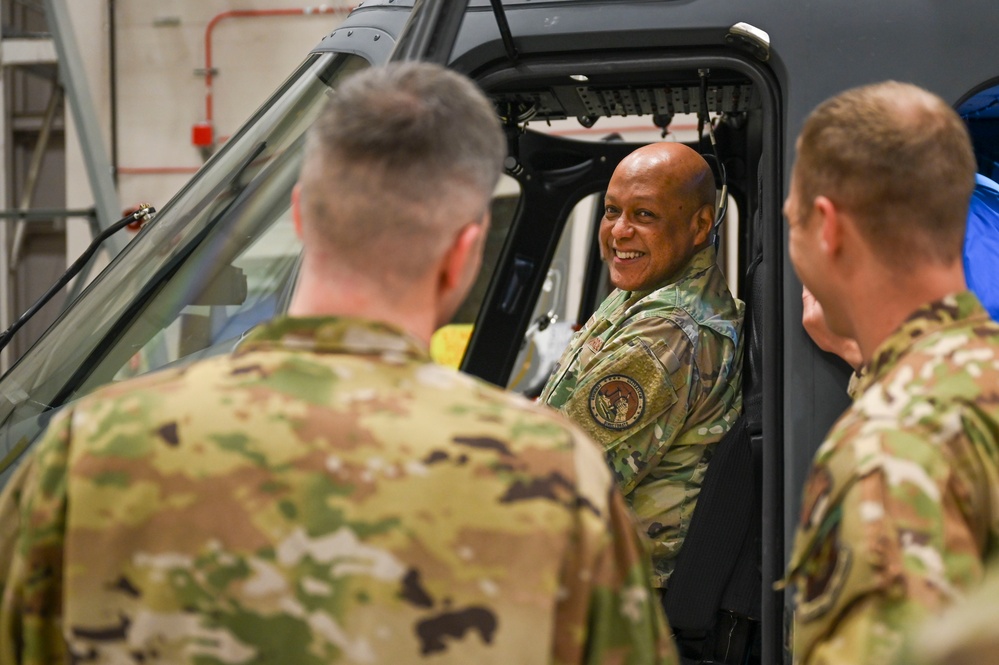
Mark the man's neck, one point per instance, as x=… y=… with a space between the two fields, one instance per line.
x=351 y=298
x=884 y=303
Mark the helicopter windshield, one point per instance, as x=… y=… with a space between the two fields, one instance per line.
x=219 y=258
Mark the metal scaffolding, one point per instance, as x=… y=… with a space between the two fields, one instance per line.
x=57 y=46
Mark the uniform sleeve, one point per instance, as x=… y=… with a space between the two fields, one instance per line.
x=32 y=519
x=885 y=540
x=634 y=396
x=627 y=613
x=965 y=633
x=609 y=613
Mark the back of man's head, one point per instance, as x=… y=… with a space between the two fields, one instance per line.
x=899 y=159
x=402 y=157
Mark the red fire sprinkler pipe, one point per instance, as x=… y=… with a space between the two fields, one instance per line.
x=203 y=133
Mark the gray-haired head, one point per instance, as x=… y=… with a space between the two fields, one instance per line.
x=402 y=157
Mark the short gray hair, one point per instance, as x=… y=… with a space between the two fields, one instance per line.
x=400 y=159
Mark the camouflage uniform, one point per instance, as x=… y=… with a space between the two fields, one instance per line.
x=325 y=494
x=963 y=635
x=902 y=502
x=655 y=377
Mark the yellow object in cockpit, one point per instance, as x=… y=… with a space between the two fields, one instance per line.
x=448 y=344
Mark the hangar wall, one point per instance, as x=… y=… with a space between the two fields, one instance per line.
x=145 y=68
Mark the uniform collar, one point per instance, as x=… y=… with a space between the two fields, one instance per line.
x=333 y=335
x=956 y=308
x=699 y=263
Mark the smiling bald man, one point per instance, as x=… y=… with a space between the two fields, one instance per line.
x=655 y=374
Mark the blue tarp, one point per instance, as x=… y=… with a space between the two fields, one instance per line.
x=981 y=244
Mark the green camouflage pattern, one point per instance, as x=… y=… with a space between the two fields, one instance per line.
x=326 y=494
x=675 y=354
x=902 y=503
x=964 y=634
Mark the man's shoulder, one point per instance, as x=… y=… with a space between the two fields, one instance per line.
x=198 y=384
x=951 y=344
x=930 y=394
x=956 y=364
x=169 y=379
x=249 y=386
x=689 y=310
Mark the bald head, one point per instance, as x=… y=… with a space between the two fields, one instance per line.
x=899 y=159
x=658 y=213
x=681 y=169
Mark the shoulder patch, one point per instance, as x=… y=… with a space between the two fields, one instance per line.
x=824 y=576
x=617 y=402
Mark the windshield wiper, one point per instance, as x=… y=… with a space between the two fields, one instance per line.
x=141 y=216
x=504 y=29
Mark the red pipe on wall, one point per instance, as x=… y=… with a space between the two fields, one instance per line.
x=203 y=133
x=177 y=170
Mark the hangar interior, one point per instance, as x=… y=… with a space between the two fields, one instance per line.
x=154 y=86
x=137 y=95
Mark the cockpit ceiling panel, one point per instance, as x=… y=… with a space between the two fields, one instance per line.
x=602 y=101
x=665 y=100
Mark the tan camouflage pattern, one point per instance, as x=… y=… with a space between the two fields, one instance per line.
x=682 y=345
x=902 y=504
x=964 y=634
x=324 y=495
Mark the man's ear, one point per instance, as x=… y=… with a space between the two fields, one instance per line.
x=296 y=209
x=704 y=222
x=831 y=229
x=462 y=252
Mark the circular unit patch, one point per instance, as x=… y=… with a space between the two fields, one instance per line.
x=617 y=401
